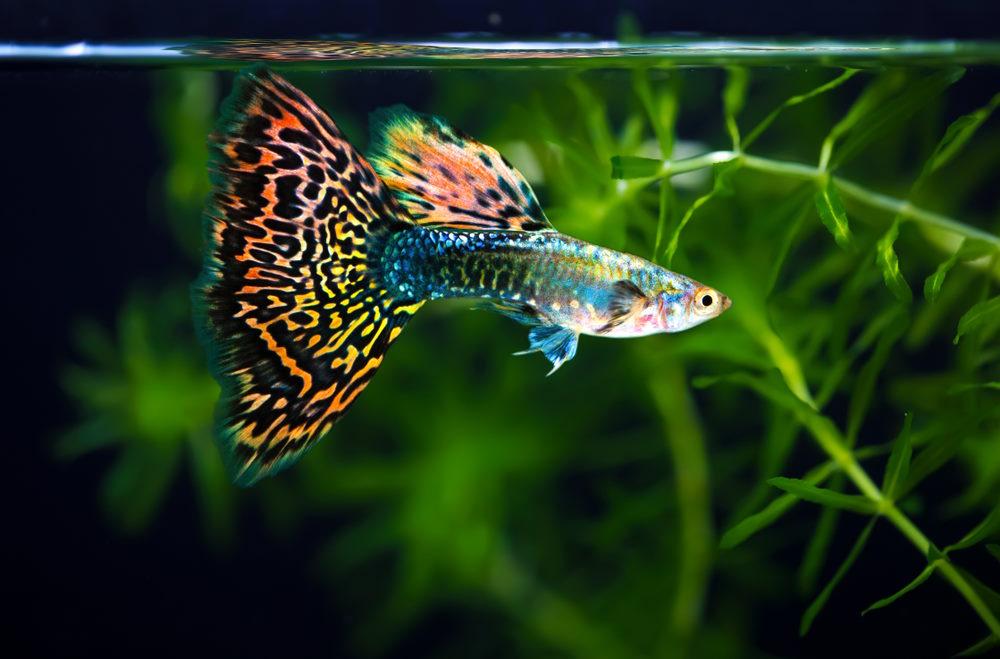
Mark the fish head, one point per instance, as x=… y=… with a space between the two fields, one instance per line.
x=692 y=305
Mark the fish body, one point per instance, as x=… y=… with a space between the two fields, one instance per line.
x=553 y=278
x=316 y=258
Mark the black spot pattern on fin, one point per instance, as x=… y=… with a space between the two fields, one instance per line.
x=292 y=315
x=446 y=179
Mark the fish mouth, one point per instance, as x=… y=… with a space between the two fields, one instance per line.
x=726 y=302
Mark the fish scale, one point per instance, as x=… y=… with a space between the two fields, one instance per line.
x=567 y=281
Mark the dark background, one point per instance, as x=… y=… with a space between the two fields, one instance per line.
x=50 y=20
x=74 y=593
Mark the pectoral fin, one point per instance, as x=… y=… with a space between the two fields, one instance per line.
x=626 y=300
x=558 y=344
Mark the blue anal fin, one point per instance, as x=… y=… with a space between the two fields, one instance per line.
x=557 y=343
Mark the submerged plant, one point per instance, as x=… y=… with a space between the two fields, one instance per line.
x=913 y=455
x=146 y=394
x=854 y=226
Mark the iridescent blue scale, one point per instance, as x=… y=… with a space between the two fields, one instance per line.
x=544 y=268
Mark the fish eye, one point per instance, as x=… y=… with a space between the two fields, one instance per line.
x=705 y=301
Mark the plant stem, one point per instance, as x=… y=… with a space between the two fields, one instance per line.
x=825 y=432
x=687 y=445
x=857 y=192
x=830 y=441
x=694 y=163
x=970 y=595
x=907 y=210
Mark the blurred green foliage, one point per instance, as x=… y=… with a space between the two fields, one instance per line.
x=147 y=393
x=589 y=512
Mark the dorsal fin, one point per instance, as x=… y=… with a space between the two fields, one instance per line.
x=446 y=179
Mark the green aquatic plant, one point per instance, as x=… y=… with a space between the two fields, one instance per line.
x=656 y=497
x=148 y=394
x=886 y=100
x=144 y=393
x=183 y=111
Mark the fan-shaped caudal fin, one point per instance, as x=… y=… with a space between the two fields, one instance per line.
x=294 y=321
x=446 y=179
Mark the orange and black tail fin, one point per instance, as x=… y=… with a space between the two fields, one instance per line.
x=289 y=305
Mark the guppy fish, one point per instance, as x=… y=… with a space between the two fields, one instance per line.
x=316 y=258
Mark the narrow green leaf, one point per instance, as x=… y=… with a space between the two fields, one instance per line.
x=795 y=209
x=970 y=250
x=667 y=208
x=733 y=97
x=894 y=111
x=864 y=386
x=958 y=133
x=986 y=528
x=735 y=92
x=810 y=615
x=881 y=88
x=982 y=647
x=995 y=550
x=888 y=263
x=137 y=483
x=594 y=114
x=808 y=492
x=628 y=167
x=770 y=513
x=961 y=388
x=875 y=327
x=922 y=577
x=820 y=427
x=933 y=457
x=831 y=212
x=94 y=434
x=977 y=315
x=816 y=552
x=676 y=236
x=776 y=446
x=754 y=523
x=932 y=285
x=899 y=460
x=721 y=187
x=661 y=108
x=767 y=388
x=795 y=100
x=989 y=597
